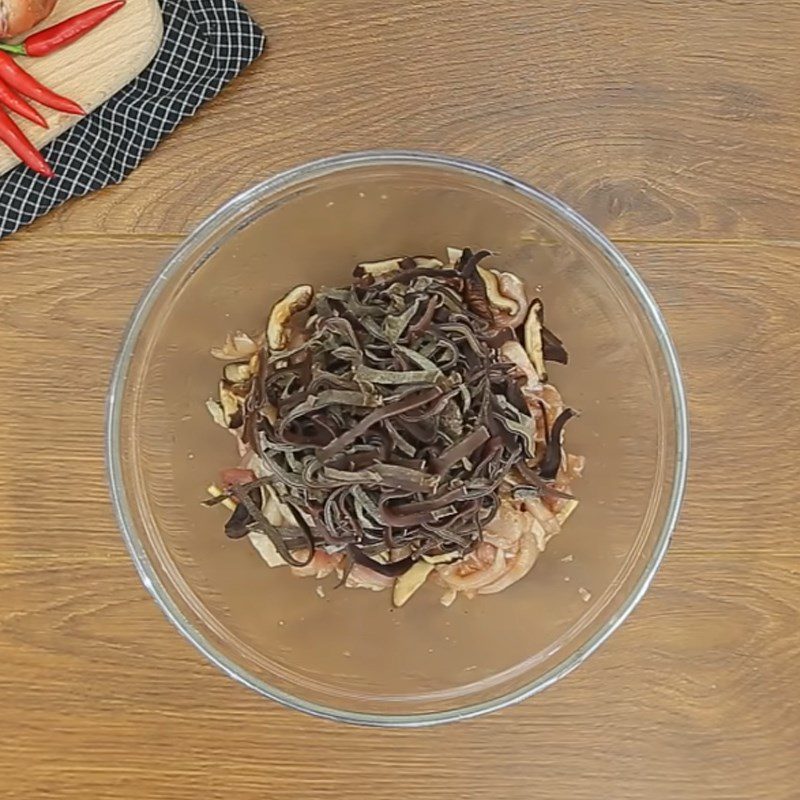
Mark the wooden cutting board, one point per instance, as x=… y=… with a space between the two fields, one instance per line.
x=93 y=68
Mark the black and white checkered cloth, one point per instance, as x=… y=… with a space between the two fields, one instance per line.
x=206 y=44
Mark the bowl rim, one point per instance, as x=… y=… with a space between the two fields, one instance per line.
x=317 y=169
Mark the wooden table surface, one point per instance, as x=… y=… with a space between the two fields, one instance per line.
x=674 y=127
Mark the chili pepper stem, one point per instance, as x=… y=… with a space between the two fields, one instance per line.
x=70 y=30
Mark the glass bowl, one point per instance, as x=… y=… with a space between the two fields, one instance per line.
x=349 y=655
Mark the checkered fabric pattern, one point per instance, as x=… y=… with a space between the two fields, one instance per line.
x=206 y=44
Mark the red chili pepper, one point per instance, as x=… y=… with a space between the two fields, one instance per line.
x=12 y=136
x=16 y=77
x=13 y=102
x=57 y=36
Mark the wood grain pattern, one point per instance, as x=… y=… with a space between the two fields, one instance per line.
x=672 y=125
x=694 y=697
x=656 y=119
x=94 y=68
x=109 y=703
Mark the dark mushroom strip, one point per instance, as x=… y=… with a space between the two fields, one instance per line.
x=535 y=484
x=553 y=348
x=262 y=524
x=390 y=569
x=239 y=523
x=407 y=403
x=460 y=450
x=551 y=462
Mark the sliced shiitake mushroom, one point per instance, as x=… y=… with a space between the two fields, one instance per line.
x=216 y=412
x=377 y=269
x=504 y=293
x=380 y=269
x=552 y=347
x=237 y=346
x=517 y=355
x=512 y=289
x=237 y=372
x=500 y=302
x=533 y=338
x=454 y=255
x=298 y=299
x=476 y=290
x=427 y=262
x=231 y=405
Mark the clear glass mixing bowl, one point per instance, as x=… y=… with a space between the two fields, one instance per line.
x=349 y=656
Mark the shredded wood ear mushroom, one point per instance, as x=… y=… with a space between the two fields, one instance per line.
x=399 y=429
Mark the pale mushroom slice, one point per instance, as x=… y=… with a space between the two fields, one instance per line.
x=378 y=269
x=533 y=338
x=513 y=351
x=298 y=299
x=501 y=303
x=237 y=346
x=237 y=372
x=454 y=255
x=504 y=291
x=512 y=289
x=230 y=404
x=427 y=262
x=216 y=412
x=409 y=582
